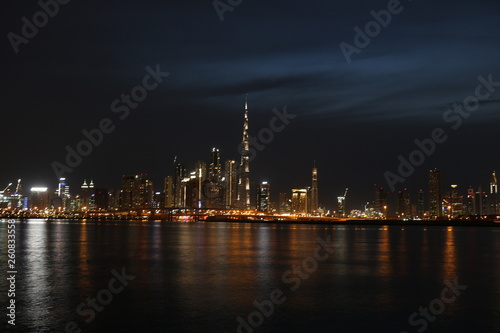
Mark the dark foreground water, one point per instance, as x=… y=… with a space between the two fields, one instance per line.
x=201 y=277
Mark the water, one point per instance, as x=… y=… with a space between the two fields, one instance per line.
x=200 y=277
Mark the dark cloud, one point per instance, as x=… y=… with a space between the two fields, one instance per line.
x=355 y=119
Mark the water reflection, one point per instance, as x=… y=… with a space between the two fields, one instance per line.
x=36 y=289
x=201 y=276
x=449 y=271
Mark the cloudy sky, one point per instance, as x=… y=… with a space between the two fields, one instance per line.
x=354 y=119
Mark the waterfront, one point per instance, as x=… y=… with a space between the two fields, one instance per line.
x=200 y=277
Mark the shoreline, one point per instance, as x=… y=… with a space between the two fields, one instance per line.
x=446 y=223
x=409 y=223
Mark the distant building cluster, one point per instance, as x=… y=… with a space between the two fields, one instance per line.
x=210 y=185
x=437 y=203
x=227 y=188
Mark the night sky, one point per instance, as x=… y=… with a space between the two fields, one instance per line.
x=354 y=119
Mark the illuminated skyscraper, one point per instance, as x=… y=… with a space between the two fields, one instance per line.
x=494 y=208
x=263 y=193
x=39 y=198
x=87 y=196
x=404 y=204
x=102 y=196
x=435 y=196
x=314 y=191
x=169 y=192
x=284 y=204
x=62 y=199
x=244 y=179
x=231 y=184
x=136 y=193
x=180 y=173
x=456 y=202
x=381 y=200
x=200 y=177
x=299 y=201
x=420 y=204
x=215 y=166
x=341 y=205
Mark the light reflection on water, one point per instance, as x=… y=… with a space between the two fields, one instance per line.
x=199 y=277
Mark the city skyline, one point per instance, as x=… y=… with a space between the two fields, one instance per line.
x=246 y=166
x=248 y=150
x=349 y=115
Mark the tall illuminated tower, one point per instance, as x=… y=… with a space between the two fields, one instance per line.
x=244 y=179
x=494 y=209
x=314 y=191
x=263 y=204
x=435 y=196
x=231 y=184
x=215 y=165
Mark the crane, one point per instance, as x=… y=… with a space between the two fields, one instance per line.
x=5 y=189
x=18 y=188
x=345 y=193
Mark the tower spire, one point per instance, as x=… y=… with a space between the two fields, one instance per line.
x=314 y=190
x=244 y=179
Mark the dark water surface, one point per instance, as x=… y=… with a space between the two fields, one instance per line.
x=200 y=277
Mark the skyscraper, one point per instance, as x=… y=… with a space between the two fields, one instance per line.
x=314 y=191
x=180 y=173
x=471 y=202
x=456 y=202
x=494 y=208
x=169 y=191
x=420 y=204
x=215 y=166
x=435 y=196
x=39 y=198
x=231 y=184
x=284 y=204
x=299 y=201
x=244 y=179
x=404 y=204
x=62 y=199
x=263 y=193
x=201 y=176
x=102 y=197
x=381 y=200
x=136 y=193
x=87 y=196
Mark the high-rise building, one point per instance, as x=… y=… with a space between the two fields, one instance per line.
x=299 y=201
x=244 y=174
x=435 y=195
x=263 y=193
x=314 y=191
x=39 y=198
x=180 y=173
x=284 y=204
x=470 y=205
x=381 y=200
x=169 y=192
x=214 y=186
x=102 y=199
x=404 y=204
x=494 y=205
x=231 y=184
x=63 y=199
x=137 y=192
x=215 y=165
x=341 y=204
x=482 y=202
x=87 y=200
x=455 y=202
x=201 y=176
x=420 y=204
